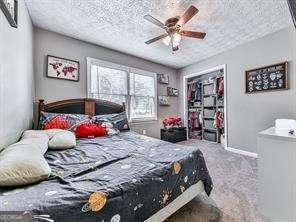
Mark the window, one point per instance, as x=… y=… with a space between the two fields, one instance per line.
x=136 y=88
x=108 y=84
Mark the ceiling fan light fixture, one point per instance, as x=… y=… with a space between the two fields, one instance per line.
x=166 y=40
x=173 y=28
x=176 y=39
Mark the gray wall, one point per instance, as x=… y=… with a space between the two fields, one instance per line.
x=53 y=89
x=16 y=76
x=249 y=114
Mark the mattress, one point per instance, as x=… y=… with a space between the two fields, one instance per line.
x=126 y=177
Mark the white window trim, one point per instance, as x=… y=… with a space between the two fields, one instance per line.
x=90 y=61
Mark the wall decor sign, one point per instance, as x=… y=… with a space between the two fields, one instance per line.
x=62 y=68
x=172 y=91
x=9 y=8
x=163 y=78
x=292 y=7
x=163 y=101
x=268 y=78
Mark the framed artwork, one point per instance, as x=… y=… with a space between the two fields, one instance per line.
x=292 y=6
x=10 y=10
x=268 y=78
x=62 y=68
x=163 y=101
x=163 y=78
x=172 y=91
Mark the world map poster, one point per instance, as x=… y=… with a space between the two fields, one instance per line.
x=62 y=68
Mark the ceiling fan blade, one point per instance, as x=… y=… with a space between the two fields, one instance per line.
x=156 y=38
x=190 y=12
x=199 y=35
x=154 y=21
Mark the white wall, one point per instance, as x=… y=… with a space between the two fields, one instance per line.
x=249 y=114
x=16 y=76
x=51 y=43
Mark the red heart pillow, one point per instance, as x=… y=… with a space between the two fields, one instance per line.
x=86 y=130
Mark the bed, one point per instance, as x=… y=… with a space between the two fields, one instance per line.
x=142 y=178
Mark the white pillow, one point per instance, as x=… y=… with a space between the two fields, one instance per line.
x=34 y=134
x=23 y=163
x=60 y=139
x=110 y=128
x=35 y=138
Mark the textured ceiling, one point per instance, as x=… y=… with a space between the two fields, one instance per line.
x=119 y=24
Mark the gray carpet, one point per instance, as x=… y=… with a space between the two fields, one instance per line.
x=235 y=194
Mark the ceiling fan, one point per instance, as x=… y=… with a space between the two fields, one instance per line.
x=173 y=27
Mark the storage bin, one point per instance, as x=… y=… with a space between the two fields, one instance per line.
x=209 y=101
x=173 y=135
x=208 y=89
x=209 y=124
x=210 y=136
x=209 y=113
x=220 y=102
x=195 y=135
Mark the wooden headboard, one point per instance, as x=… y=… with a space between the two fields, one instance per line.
x=81 y=106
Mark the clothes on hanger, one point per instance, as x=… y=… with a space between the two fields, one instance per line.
x=189 y=92
x=194 y=120
x=199 y=120
x=220 y=86
x=197 y=93
x=219 y=120
x=191 y=120
x=194 y=92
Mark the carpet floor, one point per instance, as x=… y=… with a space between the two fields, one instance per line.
x=235 y=194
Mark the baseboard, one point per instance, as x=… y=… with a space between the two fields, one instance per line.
x=242 y=152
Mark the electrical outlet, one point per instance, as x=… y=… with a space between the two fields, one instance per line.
x=144 y=132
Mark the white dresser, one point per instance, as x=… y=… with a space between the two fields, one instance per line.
x=277 y=175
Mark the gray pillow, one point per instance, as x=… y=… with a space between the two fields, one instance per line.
x=119 y=120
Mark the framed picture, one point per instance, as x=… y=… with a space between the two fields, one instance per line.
x=62 y=68
x=268 y=78
x=172 y=91
x=163 y=78
x=292 y=6
x=9 y=8
x=163 y=101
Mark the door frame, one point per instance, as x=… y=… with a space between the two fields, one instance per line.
x=185 y=102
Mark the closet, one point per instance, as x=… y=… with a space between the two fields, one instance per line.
x=205 y=101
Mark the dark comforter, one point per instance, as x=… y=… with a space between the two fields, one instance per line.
x=139 y=175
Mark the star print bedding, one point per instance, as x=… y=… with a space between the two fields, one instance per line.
x=126 y=177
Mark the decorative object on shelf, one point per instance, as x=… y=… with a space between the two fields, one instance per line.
x=268 y=78
x=163 y=78
x=10 y=9
x=172 y=121
x=172 y=91
x=292 y=6
x=62 y=68
x=163 y=101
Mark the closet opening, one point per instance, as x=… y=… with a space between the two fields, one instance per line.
x=205 y=113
